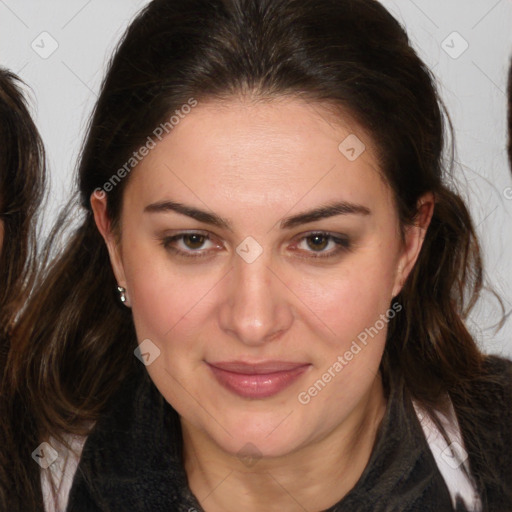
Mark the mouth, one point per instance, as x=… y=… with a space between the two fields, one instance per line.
x=257 y=380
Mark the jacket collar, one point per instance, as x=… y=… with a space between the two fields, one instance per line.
x=132 y=460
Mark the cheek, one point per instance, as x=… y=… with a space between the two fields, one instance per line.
x=354 y=305
x=162 y=304
x=168 y=303
x=351 y=299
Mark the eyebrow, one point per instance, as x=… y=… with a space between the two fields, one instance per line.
x=323 y=212
x=189 y=211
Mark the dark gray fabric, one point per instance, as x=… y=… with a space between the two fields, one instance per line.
x=132 y=461
x=485 y=421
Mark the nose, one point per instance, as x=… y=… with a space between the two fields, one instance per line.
x=256 y=308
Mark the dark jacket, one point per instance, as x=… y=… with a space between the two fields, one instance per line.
x=132 y=460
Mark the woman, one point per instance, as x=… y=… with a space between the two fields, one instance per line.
x=22 y=178
x=264 y=189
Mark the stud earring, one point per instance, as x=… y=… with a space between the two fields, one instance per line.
x=122 y=295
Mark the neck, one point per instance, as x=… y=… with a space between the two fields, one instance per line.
x=313 y=477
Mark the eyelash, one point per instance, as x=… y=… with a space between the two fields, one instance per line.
x=167 y=241
x=343 y=245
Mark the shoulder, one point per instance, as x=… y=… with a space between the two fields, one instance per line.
x=501 y=367
x=488 y=399
x=490 y=392
x=490 y=395
x=475 y=458
x=484 y=411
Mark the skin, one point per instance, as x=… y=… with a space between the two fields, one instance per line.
x=255 y=164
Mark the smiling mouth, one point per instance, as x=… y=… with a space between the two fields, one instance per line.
x=258 y=380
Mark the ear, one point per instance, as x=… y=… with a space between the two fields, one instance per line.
x=99 y=208
x=413 y=240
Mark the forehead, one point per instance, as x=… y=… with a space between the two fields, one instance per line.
x=253 y=152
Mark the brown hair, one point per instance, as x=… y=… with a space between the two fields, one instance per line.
x=76 y=342
x=22 y=177
x=22 y=186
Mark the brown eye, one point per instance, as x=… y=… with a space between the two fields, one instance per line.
x=317 y=242
x=191 y=245
x=323 y=245
x=194 y=241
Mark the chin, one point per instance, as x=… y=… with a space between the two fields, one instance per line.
x=274 y=438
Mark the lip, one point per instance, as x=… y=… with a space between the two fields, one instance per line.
x=257 y=380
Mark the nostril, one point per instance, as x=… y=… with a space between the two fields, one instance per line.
x=272 y=337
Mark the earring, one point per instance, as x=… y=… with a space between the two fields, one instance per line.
x=122 y=294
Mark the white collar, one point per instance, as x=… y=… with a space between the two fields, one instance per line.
x=451 y=459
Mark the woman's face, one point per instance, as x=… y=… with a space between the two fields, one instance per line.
x=260 y=258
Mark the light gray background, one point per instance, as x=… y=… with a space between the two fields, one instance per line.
x=472 y=84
